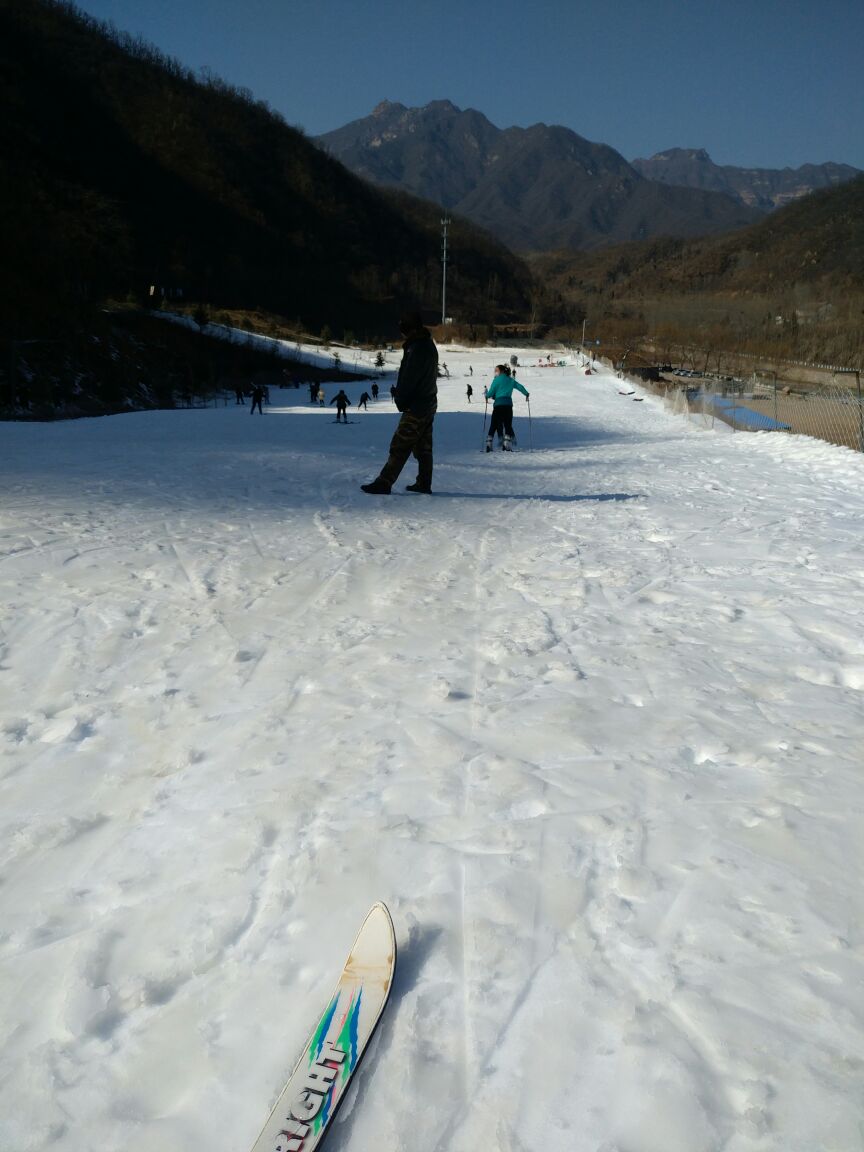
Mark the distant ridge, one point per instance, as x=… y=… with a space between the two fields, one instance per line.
x=536 y=188
x=763 y=188
x=806 y=258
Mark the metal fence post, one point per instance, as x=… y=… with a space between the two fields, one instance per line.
x=776 y=421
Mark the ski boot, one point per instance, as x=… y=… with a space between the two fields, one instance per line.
x=377 y=487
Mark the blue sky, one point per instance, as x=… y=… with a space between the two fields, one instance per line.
x=764 y=83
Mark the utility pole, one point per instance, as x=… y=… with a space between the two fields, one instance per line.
x=445 y=220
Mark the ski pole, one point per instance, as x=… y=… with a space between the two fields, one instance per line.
x=530 y=431
x=485 y=413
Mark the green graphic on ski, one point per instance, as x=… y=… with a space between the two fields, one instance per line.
x=320 y=1080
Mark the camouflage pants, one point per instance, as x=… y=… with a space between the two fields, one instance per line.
x=413 y=436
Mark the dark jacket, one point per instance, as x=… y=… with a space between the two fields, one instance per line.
x=417 y=383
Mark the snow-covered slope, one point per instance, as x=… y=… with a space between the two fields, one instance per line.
x=589 y=720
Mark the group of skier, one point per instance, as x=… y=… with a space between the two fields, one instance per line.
x=342 y=401
x=415 y=394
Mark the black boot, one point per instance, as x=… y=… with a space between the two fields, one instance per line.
x=377 y=487
x=418 y=487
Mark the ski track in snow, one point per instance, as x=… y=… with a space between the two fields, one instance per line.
x=589 y=720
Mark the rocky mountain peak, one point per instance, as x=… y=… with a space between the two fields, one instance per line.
x=534 y=188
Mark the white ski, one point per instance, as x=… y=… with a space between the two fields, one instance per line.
x=320 y=1080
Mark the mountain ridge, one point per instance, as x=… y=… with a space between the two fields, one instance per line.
x=762 y=188
x=537 y=188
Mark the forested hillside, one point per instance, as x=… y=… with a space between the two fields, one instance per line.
x=123 y=170
x=792 y=284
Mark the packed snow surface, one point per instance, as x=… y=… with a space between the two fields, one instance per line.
x=589 y=720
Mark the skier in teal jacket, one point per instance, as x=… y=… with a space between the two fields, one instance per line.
x=500 y=392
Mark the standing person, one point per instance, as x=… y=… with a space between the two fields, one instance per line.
x=500 y=392
x=240 y=395
x=341 y=402
x=374 y=391
x=321 y=397
x=470 y=392
x=313 y=391
x=257 y=397
x=416 y=396
x=363 y=401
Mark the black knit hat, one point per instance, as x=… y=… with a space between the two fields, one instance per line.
x=410 y=322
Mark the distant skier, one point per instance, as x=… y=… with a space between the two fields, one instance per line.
x=240 y=395
x=374 y=391
x=470 y=392
x=341 y=402
x=257 y=397
x=321 y=397
x=363 y=401
x=313 y=391
x=500 y=392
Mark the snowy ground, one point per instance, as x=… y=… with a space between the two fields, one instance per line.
x=589 y=720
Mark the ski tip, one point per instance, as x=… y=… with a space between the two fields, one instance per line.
x=375 y=945
x=380 y=909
